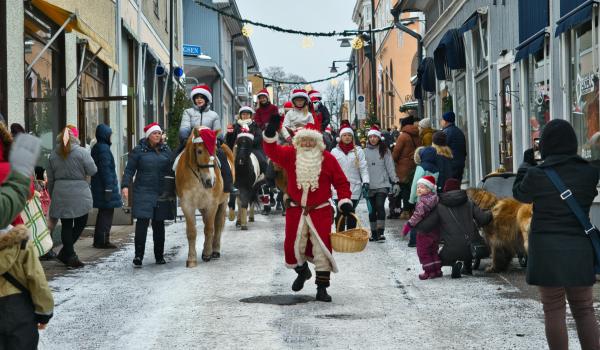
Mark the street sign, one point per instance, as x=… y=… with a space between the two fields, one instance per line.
x=361 y=110
x=191 y=50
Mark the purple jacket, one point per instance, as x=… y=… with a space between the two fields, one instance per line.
x=424 y=206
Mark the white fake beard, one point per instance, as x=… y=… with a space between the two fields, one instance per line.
x=308 y=167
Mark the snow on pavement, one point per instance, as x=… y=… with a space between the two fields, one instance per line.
x=378 y=302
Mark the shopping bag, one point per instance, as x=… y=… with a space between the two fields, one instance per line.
x=35 y=220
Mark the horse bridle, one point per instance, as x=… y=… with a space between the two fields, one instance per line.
x=200 y=166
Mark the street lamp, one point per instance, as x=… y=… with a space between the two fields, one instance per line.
x=333 y=68
x=345 y=42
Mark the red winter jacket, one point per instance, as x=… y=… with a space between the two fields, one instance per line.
x=263 y=114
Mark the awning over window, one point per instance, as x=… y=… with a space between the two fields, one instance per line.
x=573 y=13
x=425 y=78
x=450 y=54
x=470 y=23
x=60 y=16
x=533 y=20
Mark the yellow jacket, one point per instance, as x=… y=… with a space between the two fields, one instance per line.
x=427 y=136
x=19 y=258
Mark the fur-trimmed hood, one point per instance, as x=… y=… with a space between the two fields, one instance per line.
x=10 y=244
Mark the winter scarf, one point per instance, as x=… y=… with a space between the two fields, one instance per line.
x=346 y=148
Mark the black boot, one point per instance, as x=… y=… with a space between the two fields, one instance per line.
x=380 y=234
x=322 y=282
x=304 y=275
x=225 y=171
x=374 y=235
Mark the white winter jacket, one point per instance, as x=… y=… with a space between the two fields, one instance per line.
x=354 y=165
x=295 y=119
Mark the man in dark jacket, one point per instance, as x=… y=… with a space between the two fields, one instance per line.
x=105 y=187
x=457 y=218
x=560 y=254
x=265 y=109
x=457 y=143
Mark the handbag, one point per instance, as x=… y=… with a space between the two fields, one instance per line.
x=35 y=221
x=478 y=248
x=165 y=210
x=589 y=229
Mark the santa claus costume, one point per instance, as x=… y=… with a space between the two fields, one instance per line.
x=311 y=174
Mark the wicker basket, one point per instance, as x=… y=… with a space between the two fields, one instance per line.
x=351 y=241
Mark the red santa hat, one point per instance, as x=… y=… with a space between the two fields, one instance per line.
x=300 y=93
x=207 y=137
x=346 y=129
x=315 y=93
x=427 y=181
x=288 y=105
x=328 y=129
x=374 y=131
x=150 y=128
x=310 y=131
x=263 y=92
x=245 y=132
x=203 y=90
x=314 y=99
x=246 y=109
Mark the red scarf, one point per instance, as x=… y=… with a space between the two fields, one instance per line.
x=346 y=148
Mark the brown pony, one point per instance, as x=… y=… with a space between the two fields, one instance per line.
x=200 y=186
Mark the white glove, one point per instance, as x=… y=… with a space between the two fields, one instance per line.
x=24 y=153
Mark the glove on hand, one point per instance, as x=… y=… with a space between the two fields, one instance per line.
x=24 y=154
x=406 y=229
x=365 y=187
x=347 y=209
x=396 y=189
x=273 y=126
x=529 y=157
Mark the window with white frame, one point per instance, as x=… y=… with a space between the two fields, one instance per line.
x=538 y=93
x=480 y=44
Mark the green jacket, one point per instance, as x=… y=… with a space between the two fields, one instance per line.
x=21 y=261
x=14 y=192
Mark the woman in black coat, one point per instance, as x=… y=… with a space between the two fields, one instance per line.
x=560 y=255
x=150 y=162
x=105 y=187
x=458 y=218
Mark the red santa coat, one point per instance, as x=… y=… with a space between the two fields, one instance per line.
x=318 y=219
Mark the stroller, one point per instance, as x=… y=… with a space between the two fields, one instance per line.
x=501 y=185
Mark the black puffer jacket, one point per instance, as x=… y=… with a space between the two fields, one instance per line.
x=458 y=218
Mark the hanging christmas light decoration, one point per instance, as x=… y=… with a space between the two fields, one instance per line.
x=357 y=43
x=307 y=42
x=247 y=30
x=334 y=82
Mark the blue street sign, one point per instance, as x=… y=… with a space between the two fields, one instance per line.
x=191 y=50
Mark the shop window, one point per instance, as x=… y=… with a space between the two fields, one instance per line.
x=538 y=94
x=584 y=91
x=44 y=103
x=460 y=109
x=483 y=113
x=94 y=84
x=480 y=44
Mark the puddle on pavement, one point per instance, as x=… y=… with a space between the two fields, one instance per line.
x=341 y=316
x=285 y=300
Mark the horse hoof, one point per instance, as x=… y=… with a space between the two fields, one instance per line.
x=251 y=220
x=216 y=255
x=244 y=228
x=206 y=258
x=190 y=264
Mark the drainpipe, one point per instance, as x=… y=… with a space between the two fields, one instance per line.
x=405 y=29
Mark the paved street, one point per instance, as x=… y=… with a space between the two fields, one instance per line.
x=245 y=301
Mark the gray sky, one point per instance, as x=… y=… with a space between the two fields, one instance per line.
x=285 y=50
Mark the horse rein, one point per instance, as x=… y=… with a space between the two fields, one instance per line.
x=201 y=166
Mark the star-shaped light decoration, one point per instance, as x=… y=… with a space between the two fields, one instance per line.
x=357 y=43
x=247 y=30
x=307 y=42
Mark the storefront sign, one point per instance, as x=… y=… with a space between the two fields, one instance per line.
x=585 y=85
x=191 y=50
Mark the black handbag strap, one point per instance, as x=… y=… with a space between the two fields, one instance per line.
x=458 y=223
x=12 y=280
x=567 y=196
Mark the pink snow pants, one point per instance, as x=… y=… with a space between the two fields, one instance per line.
x=427 y=250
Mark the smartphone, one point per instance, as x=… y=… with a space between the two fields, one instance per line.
x=537 y=155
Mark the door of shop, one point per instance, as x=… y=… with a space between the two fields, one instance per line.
x=483 y=114
x=506 y=149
